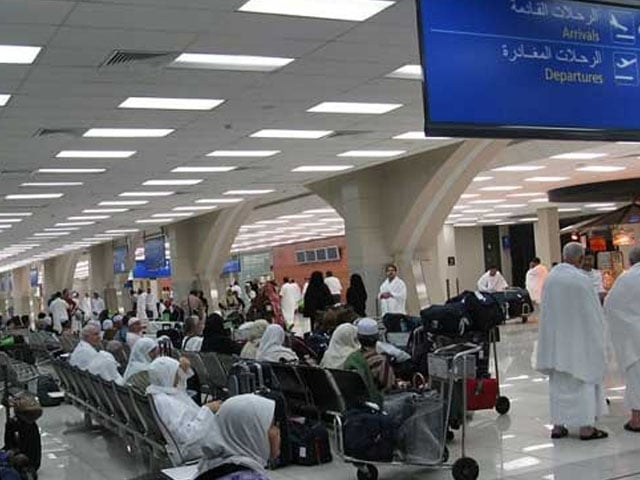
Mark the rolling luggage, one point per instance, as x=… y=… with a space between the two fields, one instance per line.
x=481 y=393
x=309 y=444
x=245 y=377
x=368 y=435
x=484 y=311
x=420 y=345
x=517 y=301
x=447 y=319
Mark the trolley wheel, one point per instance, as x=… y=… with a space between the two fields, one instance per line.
x=445 y=455
x=367 y=472
x=465 y=468
x=454 y=423
x=503 y=405
x=450 y=436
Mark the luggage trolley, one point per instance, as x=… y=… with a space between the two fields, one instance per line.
x=448 y=368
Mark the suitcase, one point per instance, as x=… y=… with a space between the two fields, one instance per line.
x=309 y=444
x=517 y=302
x=448 y=319
x=245 y=377
x=419 y=345
x=482 y=394
x=482 y=308
x=368 y=435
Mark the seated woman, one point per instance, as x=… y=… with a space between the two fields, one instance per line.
x=142 y=354
x=254 y=333
x=247 y=438
x=271 y=347
x=344 y=342
x=191 y=426
x=192 y=341
x=216 y=339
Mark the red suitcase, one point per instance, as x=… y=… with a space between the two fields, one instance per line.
x=482 y=394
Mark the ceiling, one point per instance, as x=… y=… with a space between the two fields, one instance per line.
x=66 y=88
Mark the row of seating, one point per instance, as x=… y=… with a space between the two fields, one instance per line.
x=124 y=410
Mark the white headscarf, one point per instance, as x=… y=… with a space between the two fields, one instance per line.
x=243 y=423
x=344 y=342
x=162 y=376
x=105 y=365
x=254 y=332
x=271 y=349
x=139 y=360
x=107 y=324
x=82 y=355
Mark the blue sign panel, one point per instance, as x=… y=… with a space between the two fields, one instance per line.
x=154 y=253
x=141 y=271
x=538 y=69
x=33 y=277
x=119 y=259
x=231 y=266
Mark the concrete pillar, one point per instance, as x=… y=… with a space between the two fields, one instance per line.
x=101 y=276
x=199 y=248
x=21 y=292
x=469 y=256
x=435 y=268
x=395 y=211
x=58 y=273
x=547 y=236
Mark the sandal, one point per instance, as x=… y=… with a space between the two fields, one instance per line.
x=595 y=435
x=629 y=428
x=561 y=434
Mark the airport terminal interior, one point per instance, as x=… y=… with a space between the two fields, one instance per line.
x=319 y=239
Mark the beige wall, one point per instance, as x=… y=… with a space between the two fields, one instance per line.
x=469 y=257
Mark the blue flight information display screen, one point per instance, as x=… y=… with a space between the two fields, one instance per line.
x=532 y=69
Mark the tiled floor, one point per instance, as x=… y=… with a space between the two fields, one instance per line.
x=516 y=446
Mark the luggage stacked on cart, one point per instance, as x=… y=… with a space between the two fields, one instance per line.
x=516 y=303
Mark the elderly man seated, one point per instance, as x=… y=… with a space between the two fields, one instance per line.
x=86 y=350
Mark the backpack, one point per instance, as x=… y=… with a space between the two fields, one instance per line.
x=309 y=444
x=368 y=435
x=46 y=385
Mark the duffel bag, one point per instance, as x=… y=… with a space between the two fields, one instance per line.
x=482 y=308
x=309 y=444
x=368 y=435
x=447 y=319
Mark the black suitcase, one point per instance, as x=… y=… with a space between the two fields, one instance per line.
x=46 y=385
x=482 y=308
x=309 y=443
x=420 y=345
x=448 y=319
x=245 y=377
x=368 y=435
x=517 y=301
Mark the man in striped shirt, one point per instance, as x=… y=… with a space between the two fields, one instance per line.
x=380 y=367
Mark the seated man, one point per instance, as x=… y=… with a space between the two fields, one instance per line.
x=135 y=331
x=84 y=352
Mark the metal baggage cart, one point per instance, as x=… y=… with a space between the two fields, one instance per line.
x=452 y=369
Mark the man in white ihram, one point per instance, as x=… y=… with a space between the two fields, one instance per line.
x=335 y=287
x=622 y=311
x=290 y=296
x=492 y=281
x=393 y=293
x=571 y=347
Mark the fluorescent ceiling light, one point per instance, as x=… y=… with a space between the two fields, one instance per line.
x=322 y=168
x=528 y=219
x=407 y=72
x=154 y=220
x=178 y=182
x=11 y=220
x=546 y=179
x=417 y=135
x=294 y=217
x=171 y=215
x=601 y=169
x=243 y=63
x=71 y=170
x=51 y=234
x=512 y=205
x=123 y=203
x=540 y=200
x=16 y=214
x=105 y=210
x=469 y=195
x=248 y=192
x=4 y=99
x=146 y=194
x=90 y=217
x=372 y=153
x=34 y=196
x=525 y=195
x=600 y=205
x=272 y=222
x=74 y=224
x=96 y=154
x=128 y=132
x=203 y=169
x=292 y=134
x=51 y=184
x=18 y=54
x=503 y=214
x=475 y=210
x=125 y=230
x=482 y=179
x=244 y=153
x=519 y=168
x=65 y=229
x=194 y=208
x=320 y=210
x=157 y=103
x=219 y=200
x=578 y=156
x=355 y=108
x=5 y=226
x=350 y=10
x=567 y=210
x=505 y=188
x=486 y=202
